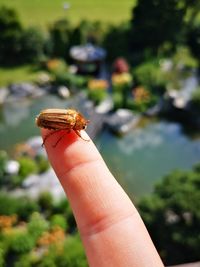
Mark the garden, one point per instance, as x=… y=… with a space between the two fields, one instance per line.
x=105 y=67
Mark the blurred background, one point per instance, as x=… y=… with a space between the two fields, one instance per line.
x=132 y=68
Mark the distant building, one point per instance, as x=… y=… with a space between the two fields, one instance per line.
x=88 y=58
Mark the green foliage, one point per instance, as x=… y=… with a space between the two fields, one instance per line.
x=32 y=44
x=45 y=201
x=87 y=31
x=172 y=216
x=63 y=207
x=74 y=256
x=3 y=160
x=27 y=166
x=118 y=100
x=97 y=95
x=196 y=99
x=47 y=261
x=193 y=36
x=11 y=30
x=1 y=257
x=8 y=204
x=147 y=27
x=58 y=220
x=22 y=242
x=23 y=261
x=42 y=163
x=37 y=225
x=60 y=33
x=25 y=207
x=150 y=75
x=116 y=42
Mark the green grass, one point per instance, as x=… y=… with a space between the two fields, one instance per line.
x=18 y=74
x=44 y=12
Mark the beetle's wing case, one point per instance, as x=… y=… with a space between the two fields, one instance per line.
x=56 y=119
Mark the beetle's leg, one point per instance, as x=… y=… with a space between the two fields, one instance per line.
x=49 y=134
x=67 y=131
x=78 y=133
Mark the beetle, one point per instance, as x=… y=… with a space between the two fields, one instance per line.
x=61 y=119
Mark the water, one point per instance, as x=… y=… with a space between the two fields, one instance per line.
x=138 y=160
x=145 y=155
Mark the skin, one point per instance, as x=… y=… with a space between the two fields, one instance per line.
x=111 y=229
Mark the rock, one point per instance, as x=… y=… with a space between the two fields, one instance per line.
x=3 y=95
x=105 y=106
x=122 y=121
x=63 y=92
x=22 y=90
x=12 y=167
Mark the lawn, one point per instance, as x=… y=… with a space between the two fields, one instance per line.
x=18 y=74
x=41 y=13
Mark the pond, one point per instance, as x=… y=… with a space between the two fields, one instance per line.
x=138 y=159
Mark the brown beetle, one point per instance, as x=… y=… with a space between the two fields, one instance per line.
x=61 y=119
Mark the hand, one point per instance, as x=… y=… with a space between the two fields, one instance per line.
x=111 y=229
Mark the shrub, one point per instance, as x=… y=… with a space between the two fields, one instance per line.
x=42 y=163
x=32 y=45
x=120 y=45
x=118 y=100
x=2 y=261
x=37 y=225
x=23 y=261
x=196 y=99
x=97 y=95
x=45 y=201
x=75 y=256
x=8 y=204
x=60 y=33
x=11 y=31
x=3 y=160
x=27 y=166
x=59 y=220
x=172 y=216
x=26 y=207
x=22 y=242
x=150 y=75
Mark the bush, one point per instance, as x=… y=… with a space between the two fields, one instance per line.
x=63 y=207
x=118 y=100
x=8 y=205
x=97 y=95
x=60 y=33
x=59 y=220
x=172 y=216
x=32 y=45
x=10 y=37
x=45 y=201
x=26 y=207
x=3 y=160
x=23 y=261
x=74 y=256
x=27 y=166
x=1 y=257
x=37 y=225
x=196 y=99
x=42 y=163
x=150 y=75
x=120 y=46
x=22 y=242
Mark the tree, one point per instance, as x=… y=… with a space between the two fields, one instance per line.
x=155 y=22
x=172 y=216
x=11 y=31
x=32 y=44
x=60 y=33
x=193 y=40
